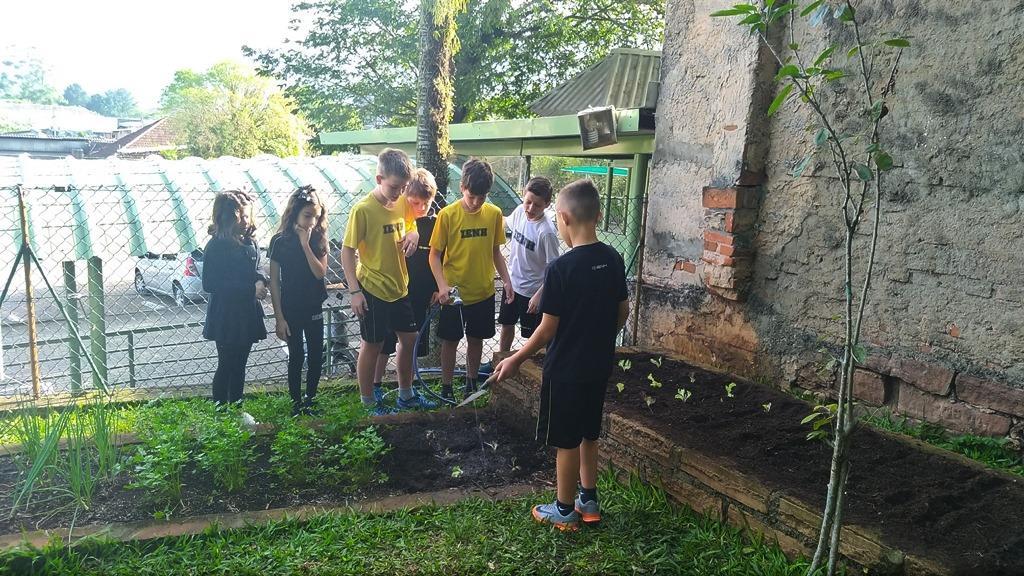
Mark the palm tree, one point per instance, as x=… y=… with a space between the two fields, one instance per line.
x=438 y=45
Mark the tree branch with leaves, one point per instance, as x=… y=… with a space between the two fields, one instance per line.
x=854 y=145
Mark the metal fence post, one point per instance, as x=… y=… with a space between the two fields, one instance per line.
x=97 y=322
x=30 y=304
x=131 y=359
x=71 y=306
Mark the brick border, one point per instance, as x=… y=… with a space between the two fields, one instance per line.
x=710 y=485
x=150 y=529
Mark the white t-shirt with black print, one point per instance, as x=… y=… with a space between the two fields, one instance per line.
x=534 y=244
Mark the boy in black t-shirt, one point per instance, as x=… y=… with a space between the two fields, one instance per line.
x=583 y=306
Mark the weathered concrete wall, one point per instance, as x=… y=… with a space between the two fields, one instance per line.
x=945 y=318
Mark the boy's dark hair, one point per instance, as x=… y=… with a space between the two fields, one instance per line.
x=540 y=187
x=226 y=206
x=477 y=177
x=581 y=200
x=394 y=162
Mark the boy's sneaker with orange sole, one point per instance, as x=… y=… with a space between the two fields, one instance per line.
x=549 y=514
x=590 y=512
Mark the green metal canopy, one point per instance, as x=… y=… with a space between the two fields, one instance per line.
x=550 y=136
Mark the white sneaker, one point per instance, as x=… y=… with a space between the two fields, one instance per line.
x=248 y=420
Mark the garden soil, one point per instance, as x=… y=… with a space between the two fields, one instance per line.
x=461 y=450
x=935 y=505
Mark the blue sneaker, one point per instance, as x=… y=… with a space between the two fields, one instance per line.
x=378 y=394
x=417 y=402
x=549 y=514
x=485 y=370
x=381 y=409
x=590 y=512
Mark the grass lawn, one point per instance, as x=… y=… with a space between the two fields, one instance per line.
x=642 y=533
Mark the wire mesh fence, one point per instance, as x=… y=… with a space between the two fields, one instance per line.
x=124 y=262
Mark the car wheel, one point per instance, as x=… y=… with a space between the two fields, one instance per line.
x=179 y=295
x=140 y=284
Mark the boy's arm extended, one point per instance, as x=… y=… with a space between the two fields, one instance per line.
x=502 y=267
x=623 y=314
x=348 y=264
x=437 y=269
x=543 y=335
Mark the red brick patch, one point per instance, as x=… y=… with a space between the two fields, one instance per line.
x=869 y=387
x=741 y=197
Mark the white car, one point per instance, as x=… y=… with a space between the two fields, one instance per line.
x=179 y=276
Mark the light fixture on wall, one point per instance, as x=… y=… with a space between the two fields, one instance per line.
x=597 y=127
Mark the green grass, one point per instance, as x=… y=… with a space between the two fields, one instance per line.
x=992 y=452
x=642 y=534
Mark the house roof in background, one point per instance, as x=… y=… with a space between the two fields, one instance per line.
x=55 y=118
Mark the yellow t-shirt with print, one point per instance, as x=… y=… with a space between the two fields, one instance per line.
x=376 y=233
x=468 y=242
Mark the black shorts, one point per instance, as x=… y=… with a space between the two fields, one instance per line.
x=420 y=304
x=383 y=318
x=516 y=312
x=570 y=412
x=477 y=319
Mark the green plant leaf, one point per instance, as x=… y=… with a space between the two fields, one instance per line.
x=789 y=70
x=844 y=13
x=728 y=12
x=863 y=172
x=824 y=55
x=853 y=51
x=809 y=418
x=821 y=137
x=781 y=11
x=802 y=165
x=898 y=43
x=811 y=8
x=620 y=386
x=779 y=99
x=833 y=75
x=859 y=354
x=794 y=46
x=883 y=161
x=751 y=19
x=745 y=7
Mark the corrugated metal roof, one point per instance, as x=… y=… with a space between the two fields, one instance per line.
x=621 y=80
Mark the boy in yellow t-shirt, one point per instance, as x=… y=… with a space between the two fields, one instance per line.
x=468 y=236
x=382 y=228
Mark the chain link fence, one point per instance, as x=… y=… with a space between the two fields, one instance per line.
x=125 y=264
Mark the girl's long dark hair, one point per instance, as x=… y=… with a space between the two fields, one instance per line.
x=226 y=207
x=302 y=197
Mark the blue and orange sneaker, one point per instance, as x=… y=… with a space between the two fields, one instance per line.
x=417 y=402
x=590 y=512
x=549 y=514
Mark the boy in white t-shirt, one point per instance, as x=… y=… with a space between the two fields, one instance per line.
x=534 y=244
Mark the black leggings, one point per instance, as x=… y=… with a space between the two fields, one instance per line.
x=312 y=332
x=229 y=380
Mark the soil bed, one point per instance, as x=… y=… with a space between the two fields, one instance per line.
x=424 y=455
x=962 y=515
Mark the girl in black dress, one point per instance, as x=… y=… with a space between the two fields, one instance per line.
x=234 y=316
x=298 y=263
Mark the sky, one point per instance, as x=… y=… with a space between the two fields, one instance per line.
x=138 y=45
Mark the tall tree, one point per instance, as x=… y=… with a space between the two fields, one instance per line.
x=24 y=78
x=116 y=103
x=230 y=111
x=354 y=63
x=438 y=45
x=75 y=95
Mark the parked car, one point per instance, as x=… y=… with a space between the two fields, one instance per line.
x=179 y=276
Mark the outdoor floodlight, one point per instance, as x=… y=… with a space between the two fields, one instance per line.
x=597 y=127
